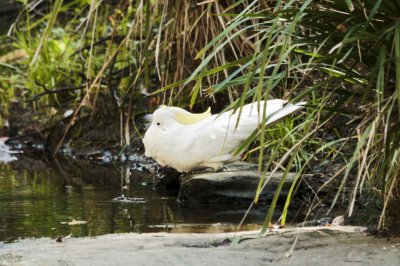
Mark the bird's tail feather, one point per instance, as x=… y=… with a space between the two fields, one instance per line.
x=285 y=111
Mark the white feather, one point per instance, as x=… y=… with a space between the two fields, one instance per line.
x=211 y=141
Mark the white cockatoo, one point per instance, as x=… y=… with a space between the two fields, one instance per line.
x=187 y=141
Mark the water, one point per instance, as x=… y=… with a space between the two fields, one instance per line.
x=39 y=200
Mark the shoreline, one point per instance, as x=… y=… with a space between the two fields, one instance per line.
x=320 y=246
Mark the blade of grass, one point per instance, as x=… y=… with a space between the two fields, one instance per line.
x=277 y=192
x=47 y=32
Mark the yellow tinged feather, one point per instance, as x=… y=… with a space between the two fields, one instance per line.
x=185 y=117
x=190 y=118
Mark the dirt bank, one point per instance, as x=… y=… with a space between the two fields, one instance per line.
x=322 y=247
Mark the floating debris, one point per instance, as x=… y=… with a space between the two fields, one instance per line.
x=74 y=222
x=129 y=199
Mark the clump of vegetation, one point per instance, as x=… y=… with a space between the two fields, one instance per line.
x=343 y=57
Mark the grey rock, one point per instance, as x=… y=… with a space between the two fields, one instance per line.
x=236 y=184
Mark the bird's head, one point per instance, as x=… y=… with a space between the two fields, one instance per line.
x=162 y=119
x=166 y=117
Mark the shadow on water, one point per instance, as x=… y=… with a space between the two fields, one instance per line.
x=38 y=200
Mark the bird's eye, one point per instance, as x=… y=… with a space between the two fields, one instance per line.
x=158 y=123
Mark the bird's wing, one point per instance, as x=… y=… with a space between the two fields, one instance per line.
x=215 y=139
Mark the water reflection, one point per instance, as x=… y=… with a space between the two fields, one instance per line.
x=37 y=200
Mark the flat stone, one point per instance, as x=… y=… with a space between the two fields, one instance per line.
x=236 y=184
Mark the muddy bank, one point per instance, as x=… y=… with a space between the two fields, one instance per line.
x=322 y=247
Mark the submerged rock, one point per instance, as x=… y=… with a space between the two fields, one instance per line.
x=236 y=184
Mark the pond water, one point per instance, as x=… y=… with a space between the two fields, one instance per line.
x=39 y=199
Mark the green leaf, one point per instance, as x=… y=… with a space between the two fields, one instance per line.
x=350 y=5
x=239 y=19
x=397 y=60
x=195 y=92
x=46 y=34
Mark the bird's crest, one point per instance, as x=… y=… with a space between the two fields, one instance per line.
x=185 y=117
